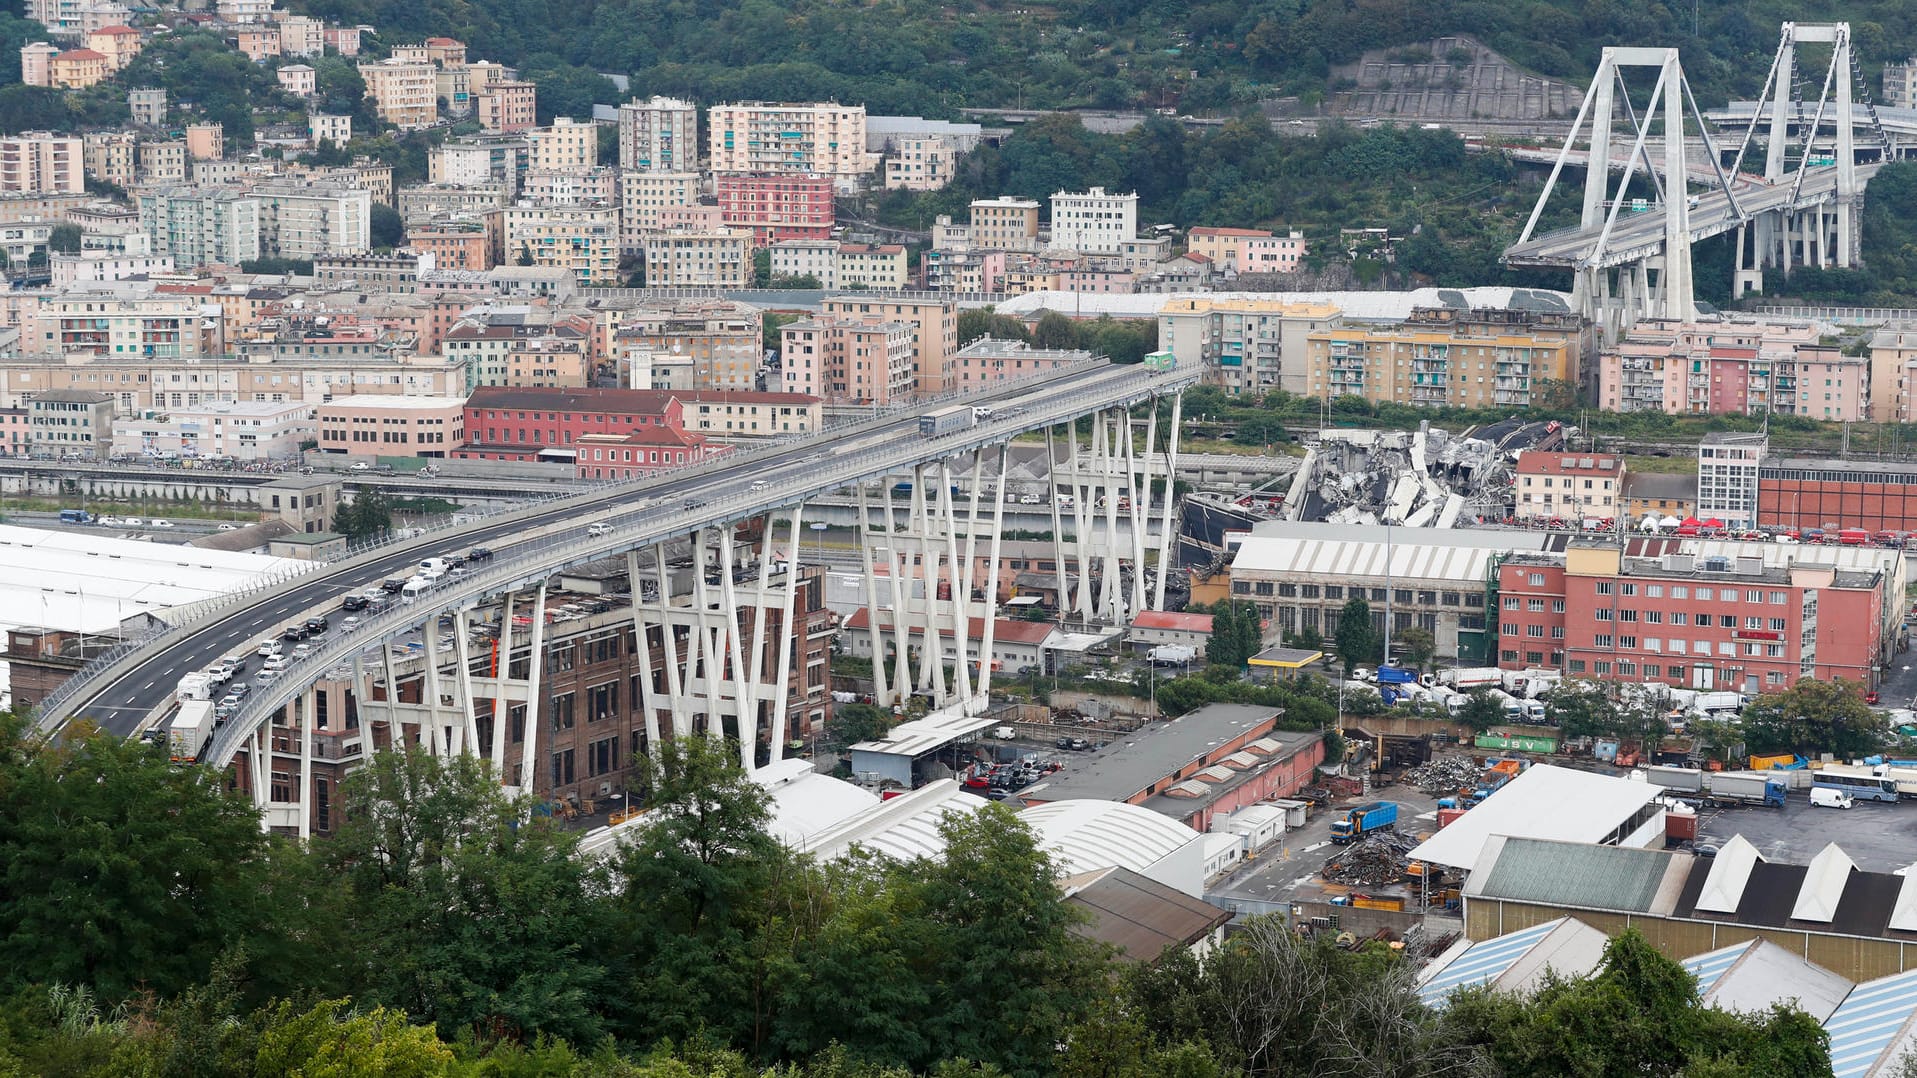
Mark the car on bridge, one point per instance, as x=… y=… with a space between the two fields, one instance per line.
x=355 y=602
x=479 y=553
x=599 y=529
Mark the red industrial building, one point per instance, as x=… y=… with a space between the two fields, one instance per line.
x=1690 y=621
x=778 y=208
x=1835 y=494
x=605 y=433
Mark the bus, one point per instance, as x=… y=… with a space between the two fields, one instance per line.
x=75 y=516
x=1859 y=782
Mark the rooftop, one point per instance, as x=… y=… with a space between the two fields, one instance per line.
x=1135 y=763
x=1544 y=802
x=1541 y=462
x=1166 y=620
x=1139 y=916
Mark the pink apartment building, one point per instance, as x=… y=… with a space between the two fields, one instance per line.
x=777 y=208
x=369 y=426
x=1732 y=369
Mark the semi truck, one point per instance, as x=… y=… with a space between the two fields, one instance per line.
x=1171 y=654
x=946 y=420
x=1363 y=819
x=1464 y=679
x=1746 y=788
x=187 y=734
x=195 y=686
x=1683 y=780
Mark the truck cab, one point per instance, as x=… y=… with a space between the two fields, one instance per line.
x=1363 y=819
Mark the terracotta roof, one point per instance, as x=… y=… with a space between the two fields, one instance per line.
x=636 y=401
x=1541 y=462
x=712 y=396
x=116 y=30
x=1194 y=256
x=80 y=54
x=1159 y=619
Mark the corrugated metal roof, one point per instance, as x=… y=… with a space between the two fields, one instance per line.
x=1573 y=873
x=924 y=735
x=1870 y=1021
x=1709 y=966
x=1368 y=558
x=1087 y=835
x=1141 y=916
x=902 y=828
x=1484 y=962
x=1753 y=975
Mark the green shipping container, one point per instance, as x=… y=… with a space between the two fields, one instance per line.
x=1521 y=744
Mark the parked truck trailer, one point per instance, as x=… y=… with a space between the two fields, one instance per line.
x=192 y=725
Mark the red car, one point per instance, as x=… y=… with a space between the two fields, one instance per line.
x=1871 y=697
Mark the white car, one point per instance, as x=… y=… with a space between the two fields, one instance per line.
x=133 y=522
x=269 y=647
x=349 y=624
x=109 y=522
x=301 y=651
x=599 y=529
x=267 y=677
x=275 y=663
x=229 y=527
x=162 y=523
x=362 y=466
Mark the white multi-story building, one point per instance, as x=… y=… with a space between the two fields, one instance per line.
x=245 y=10
x=1727 y=467
x=758 y=137
x=921 y=164
x=302 y=35
x=1004 y=224
x=325 y=128
x=98 y=267
x=300 y=220
x=1094 y=223
x=643 y=196
x=112 y=326
x=38 y=163
x=818 y=259
x=74 y=18
x=583 y=240
x=243 y=430
x=198 y=226
x=571 y=186
x=659 y=135
x=565 y=144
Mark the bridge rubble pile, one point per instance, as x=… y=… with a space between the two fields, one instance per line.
x=1444 y=774
x=1416 y=479
x=1376 y=860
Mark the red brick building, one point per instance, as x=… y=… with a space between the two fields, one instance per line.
x=777 y=208
x=606 y=433
x=1835 y=494
x=1692 y=622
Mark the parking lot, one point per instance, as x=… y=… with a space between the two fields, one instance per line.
x=1880 y=837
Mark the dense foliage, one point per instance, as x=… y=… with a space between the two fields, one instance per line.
x=918 y=56
x=150 y=928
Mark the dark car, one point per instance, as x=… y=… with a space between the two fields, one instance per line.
x=294 y=632
x=392 y=586
x=694 y=503
x=1062 y=743
x=479 y=553
x=315 y=626
x=354 y=602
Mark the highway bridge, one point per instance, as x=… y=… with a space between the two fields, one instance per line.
x=1102 y=575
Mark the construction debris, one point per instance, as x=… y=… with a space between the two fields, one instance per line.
x=1376 y=860
x=1444 y=774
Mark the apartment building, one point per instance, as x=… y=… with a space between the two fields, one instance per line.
x=826 y=139
x=987 y=362
x=775 y=208
x=77 y=69
x=1245 y=345
x=1900 y=85
x=487 y=159
x=162 y=162
x=880 y=266
x=36 y=63
x=1727 y=470
x=104 y=325
x=111 y=157
x=118 y=43
x=507 y=106
x=308 y=220
x=405 y=95
x=1565 y=486
x=70 y=423
x=74 y=18
x=242 y=430
x=99 y=267
x=566 y=144
x=395 y=426
x=817 y=259
x=580 y=239
x=702 y=258
x=934 y=325
x=453 y=245
x=690 y=345
x=846 y=361
x=258 y=43
x=1004 y=224
x=643 y=198
x=147 y=105
x=137 y=383
x=505 y=347
x=1438 y=360
x=324 y=128
x=301 y=35
x=202 y=226
x=1747 y=622
x=39 y=163
x=1094 y=223
x=1732 y=369
x=570 y=186
x=427 y=201
x=660 y=134
x=921 y=164
x=301 y=80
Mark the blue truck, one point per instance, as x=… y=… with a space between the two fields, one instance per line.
x=1363 y=819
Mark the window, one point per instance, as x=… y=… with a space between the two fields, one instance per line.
x=1537 y=580
x=1777 y=625
x=1627 y=642
x=1577 y=666
x=562 y=768
x=1627 y=589
x=1534 y=605
x=1654 y=591
x=1600 y=667
x=562 y=712
x=1602 y=613
x=1605 y=587
x=1654 y=617
x=1601 y=640
x=1511 y=602
x=1557 y=606
x=1727 y=621
x=1680 y=617
x=1706 y=594
x=1509 y=628
x=1536 y=631
x=1508 y=656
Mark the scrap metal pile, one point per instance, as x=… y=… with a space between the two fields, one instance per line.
x=1444 y=774
x=1376 y=860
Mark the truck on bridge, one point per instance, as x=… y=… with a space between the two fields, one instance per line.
x=187 y=734
x=947 y=420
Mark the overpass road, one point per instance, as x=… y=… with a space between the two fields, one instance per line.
x=123 y=697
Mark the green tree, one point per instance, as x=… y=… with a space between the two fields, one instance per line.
x=761 y=268
x=1356 y=638
x=1054 y=330
x=860 y=722
x=369 y=513
x=1481 y=711
x=1237 y=633
x=119 y=869
x=388 y=231
x=330 y=1040
x=466 y=912
x=1812 y=717
x=1583 y=709
x=65 y=239
x=1417 y=647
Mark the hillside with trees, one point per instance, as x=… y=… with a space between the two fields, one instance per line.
x=148 y=927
